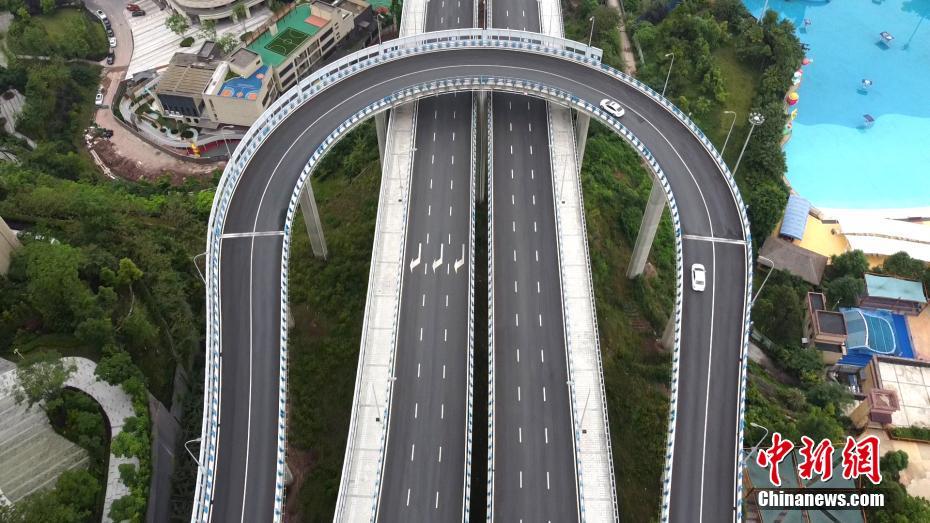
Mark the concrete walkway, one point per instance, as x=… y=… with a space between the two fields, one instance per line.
x=10 y=109
x=629 y=59
x=118 y=406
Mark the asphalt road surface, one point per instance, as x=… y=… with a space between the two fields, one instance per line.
x=534 y=463
x=425 y=460
x=706 y=445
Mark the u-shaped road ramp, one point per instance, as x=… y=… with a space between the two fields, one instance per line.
x=242 y=456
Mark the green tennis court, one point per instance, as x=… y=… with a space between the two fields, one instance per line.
x=286 y=41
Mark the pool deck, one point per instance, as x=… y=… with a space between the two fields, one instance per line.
x=920 y=334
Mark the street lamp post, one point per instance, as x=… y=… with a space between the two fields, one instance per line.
x=724 y=148
x=186 y=443
x=669 y=74
x=754 y=120
x=765 y=7
x=771 y=265
x=226 y=141
x=378 y=17
x=591 y=33
x=756 y=446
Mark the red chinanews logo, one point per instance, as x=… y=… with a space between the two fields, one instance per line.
x=860 y=458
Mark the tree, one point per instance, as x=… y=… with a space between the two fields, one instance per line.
x=852 y=263
x=778 y=313
x=892 y=463
x=40 y=378
x=207 y=30
x=177 y=24
x=821 y=423
x=766 y=202
x=127 y=508
x=240 y=13
x=829 y=393
x=397 y=8
x=48 y=6
x=78 y=488
x=227 y=43
x=54 y=288
x=128 y=272
x=845 y=291
x=116 y=366
x=901 y=264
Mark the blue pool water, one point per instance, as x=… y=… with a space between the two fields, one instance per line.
x=885 y=331
x=833 y=160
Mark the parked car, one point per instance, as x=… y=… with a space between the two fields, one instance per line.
x=100 y=14
x=139 y=12
x=99 y=99
x=698 y=277
x=110 y=59
x=612 y=107
x=112 y=42
x=110 y=32
x=106 y=24
x=133 y=7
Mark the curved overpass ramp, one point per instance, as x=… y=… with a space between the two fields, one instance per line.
x=244 y=434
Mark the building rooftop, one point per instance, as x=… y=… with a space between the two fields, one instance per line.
x=244 y=88
x=293 y=29
x=894 y=288
x=831 y=322
x=242 y=58
x=187 y=74
x=795 y=220
x=817 y=301
x=805 y=264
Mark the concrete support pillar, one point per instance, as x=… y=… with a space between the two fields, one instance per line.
x=482 y=130
x=288 y=477
x=8 y=243
x=582 y=121
x=668 y=336
x=381 y=124
x=312 y=221
x=647 y=230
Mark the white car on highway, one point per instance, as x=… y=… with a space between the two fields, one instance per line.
x=612 y=107
x=698 y=277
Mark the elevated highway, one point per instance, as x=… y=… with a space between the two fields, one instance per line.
x=242 y=455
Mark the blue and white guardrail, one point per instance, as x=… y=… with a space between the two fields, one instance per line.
x=330 y=75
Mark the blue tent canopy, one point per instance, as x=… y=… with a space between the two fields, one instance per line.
x=792 y=226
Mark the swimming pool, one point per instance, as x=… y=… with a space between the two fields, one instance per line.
x=834 y=160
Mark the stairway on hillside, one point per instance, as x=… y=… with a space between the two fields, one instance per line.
x=32 y=455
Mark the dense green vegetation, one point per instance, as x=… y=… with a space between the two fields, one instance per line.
x=65 y=33
x=105 y=269
x=631 y=315
x=899 y=506
x=725 y=61
x=327 y=300
x=73 y=500
x=916 y=432
x=605 y=36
